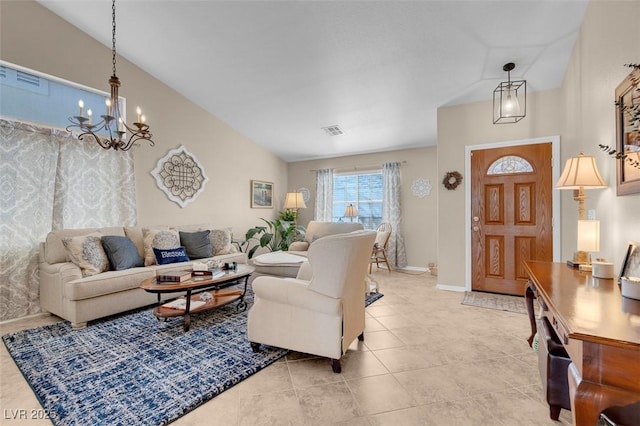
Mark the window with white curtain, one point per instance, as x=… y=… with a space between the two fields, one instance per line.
x=52 y=179
x=364 y=190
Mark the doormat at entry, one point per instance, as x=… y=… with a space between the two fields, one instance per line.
x=500 y=302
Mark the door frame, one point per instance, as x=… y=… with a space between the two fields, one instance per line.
x=555 y=194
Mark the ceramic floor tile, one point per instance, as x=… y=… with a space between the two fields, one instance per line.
x=453 y=364
x=512 y=407
x=379 y=394
x=361 y=364
x=391 y=322
x=328 y=404
x=278 y=408
x=512 y=371
x=273 y=379
x=458 y=413
x=404 y=358
x=221 y=410
x=382 y=340
x=372 y=324
x=312 y=372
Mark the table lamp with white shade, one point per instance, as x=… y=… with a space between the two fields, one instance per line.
x=581 y=173
x=351 y=211
x=294 y=201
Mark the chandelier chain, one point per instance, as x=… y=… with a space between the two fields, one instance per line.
x=113 y=35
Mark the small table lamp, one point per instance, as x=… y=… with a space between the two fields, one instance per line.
x=588 y=240
x=581 y=173
x=351 y=211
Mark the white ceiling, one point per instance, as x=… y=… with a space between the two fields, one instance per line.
x=279 y=71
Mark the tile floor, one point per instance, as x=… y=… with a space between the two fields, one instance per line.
x=426 y=360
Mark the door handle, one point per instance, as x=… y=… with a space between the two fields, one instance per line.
x=476 y=228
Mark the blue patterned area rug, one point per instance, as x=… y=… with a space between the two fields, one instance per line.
x=132 y=369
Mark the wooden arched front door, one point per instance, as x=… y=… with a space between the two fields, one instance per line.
x=511 y=215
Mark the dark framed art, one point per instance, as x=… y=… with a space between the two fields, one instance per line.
x=261 y=194
x=627 y=137
x=631 y=262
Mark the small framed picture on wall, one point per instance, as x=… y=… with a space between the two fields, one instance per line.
x=261 y=194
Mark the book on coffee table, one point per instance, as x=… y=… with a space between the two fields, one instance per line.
x=182 y=304
x=207 y=275
x=173 y=276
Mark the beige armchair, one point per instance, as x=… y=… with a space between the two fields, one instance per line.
x=321 y=311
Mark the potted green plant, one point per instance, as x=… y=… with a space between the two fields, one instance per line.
x=288 y=215
x=276 y=235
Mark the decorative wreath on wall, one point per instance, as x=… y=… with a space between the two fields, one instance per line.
x=452 y=180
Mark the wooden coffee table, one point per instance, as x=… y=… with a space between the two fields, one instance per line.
x=194 y=288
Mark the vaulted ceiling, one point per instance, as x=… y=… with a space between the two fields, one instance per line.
x=280 y=71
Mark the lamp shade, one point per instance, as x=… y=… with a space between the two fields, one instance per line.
x=351 y=211
x=294 y=200
x=589 y=235
x=580 y=171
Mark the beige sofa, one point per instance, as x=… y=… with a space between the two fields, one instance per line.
x=286 y=264
x=66 y=293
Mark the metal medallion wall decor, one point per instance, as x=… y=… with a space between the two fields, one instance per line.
x=180 y=176
x=421 y=187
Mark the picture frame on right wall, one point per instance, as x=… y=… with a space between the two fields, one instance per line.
x=627 y=137
x=631 y=262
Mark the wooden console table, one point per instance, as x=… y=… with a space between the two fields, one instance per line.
x=600 y=331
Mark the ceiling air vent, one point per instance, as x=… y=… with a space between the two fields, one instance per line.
x=333 y=130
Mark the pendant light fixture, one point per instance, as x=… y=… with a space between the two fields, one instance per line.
x=509 y=99
x=112 y=124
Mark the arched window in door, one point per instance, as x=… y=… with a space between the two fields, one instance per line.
x=509 y=164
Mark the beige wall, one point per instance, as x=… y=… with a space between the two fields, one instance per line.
x=609 y=38
x=419 y=224
x=33 y=37
x=581 y=112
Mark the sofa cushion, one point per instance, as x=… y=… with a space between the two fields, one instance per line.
x=174 y=255
x=87 y=253
x=221 y=241
x=158 y=238
x=54 y=250
x=122 y=253
x=198 y=244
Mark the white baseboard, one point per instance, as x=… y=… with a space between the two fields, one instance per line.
x=450 y=287
x=412 y=268
x=39 y=314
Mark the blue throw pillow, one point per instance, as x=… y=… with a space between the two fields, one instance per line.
x=121 y=252
x=166 y=256
x=198 y=244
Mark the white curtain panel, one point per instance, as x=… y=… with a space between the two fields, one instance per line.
x=95 y=187
x=324 y=195
x=51 y=180
x=392 y=213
